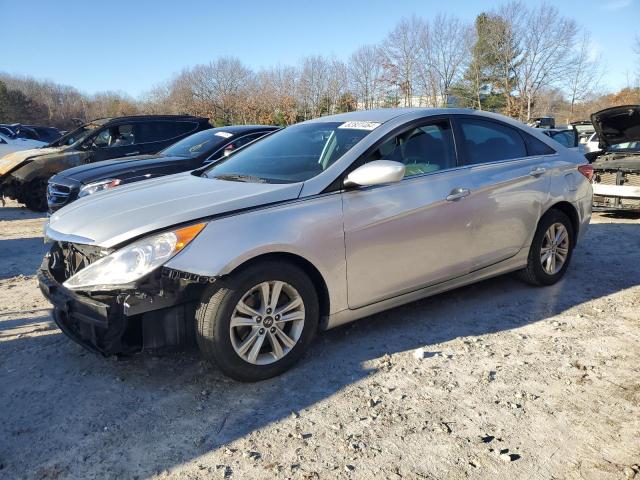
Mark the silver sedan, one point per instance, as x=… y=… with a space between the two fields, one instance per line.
x=311 y=227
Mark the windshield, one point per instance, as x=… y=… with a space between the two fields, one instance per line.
x=295 y=154
x=77 y=135
x=194 y=145
x=627 y=146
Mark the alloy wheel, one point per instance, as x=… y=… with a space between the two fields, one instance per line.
x=267 y=322
x=555 y=248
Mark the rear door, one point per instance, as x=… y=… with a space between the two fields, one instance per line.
x=407 y=235
x=509 y=183
x=155 y=135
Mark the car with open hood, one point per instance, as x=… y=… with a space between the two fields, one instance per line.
x=616 y=165
x=313 y=226
x=24 y=175
x=194 y=151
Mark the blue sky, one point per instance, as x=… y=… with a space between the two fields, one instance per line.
x=130 y=46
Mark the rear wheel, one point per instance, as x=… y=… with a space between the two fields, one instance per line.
x=35 y=195
x=258 y=322
x=550 y=251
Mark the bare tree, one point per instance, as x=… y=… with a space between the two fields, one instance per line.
x=365 y=73
x=585 y=73
x=445 y=51
x=401 y=55
x=546 y=42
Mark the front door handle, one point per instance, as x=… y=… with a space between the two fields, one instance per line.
x=537 y=171
x=131 y=153
x=457 y=194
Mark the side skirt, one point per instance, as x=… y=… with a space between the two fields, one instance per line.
x=346 y=316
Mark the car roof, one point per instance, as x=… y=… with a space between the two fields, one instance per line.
x=382 y=115
x=138 y=118
x=244 y=128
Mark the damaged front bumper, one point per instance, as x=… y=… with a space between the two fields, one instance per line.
x=159 y=314
x=616 y=197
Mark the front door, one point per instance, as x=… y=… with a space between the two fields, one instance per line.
x=404 y=236
x=116 y=141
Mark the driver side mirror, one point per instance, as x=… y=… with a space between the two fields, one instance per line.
x=378 y=172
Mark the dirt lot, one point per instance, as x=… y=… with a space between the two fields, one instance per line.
x=516 y=382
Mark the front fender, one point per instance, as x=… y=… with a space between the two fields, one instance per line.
x=48 y=166
x=310 y=228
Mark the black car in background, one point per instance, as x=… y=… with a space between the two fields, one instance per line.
x=190 y=153
x=24 y=175
x=31 y=132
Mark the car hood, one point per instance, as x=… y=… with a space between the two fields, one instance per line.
x=15 y=159
x=113 y=217
x=617 y=125
x=91 y=172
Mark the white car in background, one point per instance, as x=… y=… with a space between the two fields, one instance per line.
x=592 y=144
x=8 y=144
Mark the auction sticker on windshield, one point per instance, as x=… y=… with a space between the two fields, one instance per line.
x=360 y=125
x=224 y=134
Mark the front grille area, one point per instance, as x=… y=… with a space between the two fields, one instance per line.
x=58 y=195
x=606 y=178
x=632 y=179
x=66 y=259
x=617 y=178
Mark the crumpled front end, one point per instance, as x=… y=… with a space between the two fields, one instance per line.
x=155 y=314
x=617 y=189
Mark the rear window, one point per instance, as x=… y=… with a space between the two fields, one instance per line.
x=159 y=131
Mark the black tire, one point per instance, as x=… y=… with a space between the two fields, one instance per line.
x=35 y=195
x=534 y=272
x=213 y=318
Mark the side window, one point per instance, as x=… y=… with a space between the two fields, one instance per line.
x=240 y=142
x=490 y=141
x=565 y=138
x=536 y=147
x=424 y=149
x=116 y=136
x=159 y=131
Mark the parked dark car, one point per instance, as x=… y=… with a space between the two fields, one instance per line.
x=542 y=122
x=45 y=134
x=195 y=151
x=24 y=175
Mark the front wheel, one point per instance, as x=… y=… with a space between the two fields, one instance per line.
x=35 y=195
x=258 y=322
x=550 y=250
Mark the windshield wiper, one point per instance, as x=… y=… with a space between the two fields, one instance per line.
x=236 y=177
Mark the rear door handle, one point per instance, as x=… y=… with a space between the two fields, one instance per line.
x=131 y=153
x=536 y=172
x=457 y=194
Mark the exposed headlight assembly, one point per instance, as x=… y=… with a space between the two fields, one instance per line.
x=134 y=261
x=100 y=186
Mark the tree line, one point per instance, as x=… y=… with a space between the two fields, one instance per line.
x=520 y=60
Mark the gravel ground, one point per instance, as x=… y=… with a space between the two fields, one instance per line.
x=497 y=380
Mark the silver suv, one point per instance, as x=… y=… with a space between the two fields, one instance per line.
x=314 y=226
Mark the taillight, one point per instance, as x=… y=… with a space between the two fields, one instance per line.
x=587 y=171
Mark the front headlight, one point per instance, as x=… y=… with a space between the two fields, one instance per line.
x=100 y=186
x=134 y=261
